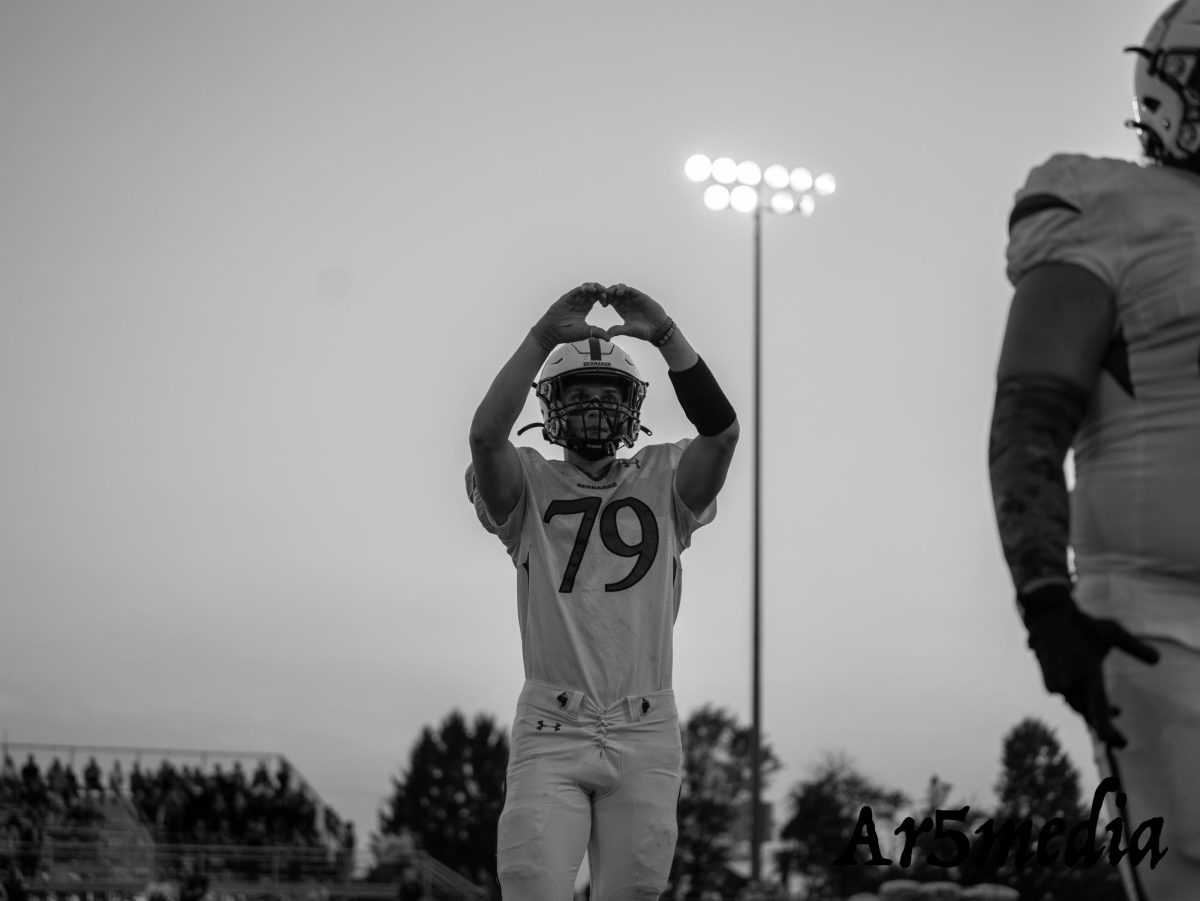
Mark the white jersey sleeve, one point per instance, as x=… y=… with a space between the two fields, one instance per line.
x=511 y=527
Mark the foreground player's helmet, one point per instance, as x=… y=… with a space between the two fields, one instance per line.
x=1166 y=86
x=565 y=422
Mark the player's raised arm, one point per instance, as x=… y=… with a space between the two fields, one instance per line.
x=497 y=470
x=705 y=462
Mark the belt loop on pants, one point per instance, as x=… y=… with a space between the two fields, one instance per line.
x=569 y=701
x=638 y=707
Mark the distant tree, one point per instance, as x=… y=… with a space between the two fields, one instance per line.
x=1038 y=783
x=449 y=798
x=714 y=800
x=929 y=853
x=825 y=809
x=1038 y=778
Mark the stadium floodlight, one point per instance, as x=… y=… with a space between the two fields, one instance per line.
x=776 y=176
x=748 y=188
x=783 y=202
x=783 y=191
x=743 y=198
x=801 y=179
x=748 y=173
x=724 y=170
x=698 y=167
x=716 y=197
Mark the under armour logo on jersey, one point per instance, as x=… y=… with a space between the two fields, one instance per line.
x=562 y=699
x=542 y=725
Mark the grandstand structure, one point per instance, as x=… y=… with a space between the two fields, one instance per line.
x=126 y=822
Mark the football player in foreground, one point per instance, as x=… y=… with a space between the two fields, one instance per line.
x=1101 y=355
x=595 y=760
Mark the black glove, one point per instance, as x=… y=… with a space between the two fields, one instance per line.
x=1070 y=647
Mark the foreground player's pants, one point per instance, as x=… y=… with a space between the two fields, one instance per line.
x=1160 y=769
x=582 y=776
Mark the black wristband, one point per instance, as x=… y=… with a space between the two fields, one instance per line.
x=703 y=402
x=1052 y=598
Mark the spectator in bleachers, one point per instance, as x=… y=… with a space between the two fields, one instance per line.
x=56 y=778
x=238 y=776
x=172 y=818
x=91 y=779
x=31 y=781
x=116 y=779
x=184 y=805
x=70 y=785
x=262 y=780
x=10 y=782
x=137 y=781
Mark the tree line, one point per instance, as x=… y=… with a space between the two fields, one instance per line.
x=447 y=799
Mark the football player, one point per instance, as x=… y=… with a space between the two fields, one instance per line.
x=595 y=760
x=1101 y=355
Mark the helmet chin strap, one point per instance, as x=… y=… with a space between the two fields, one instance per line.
x=591 y=452
x=594 y=452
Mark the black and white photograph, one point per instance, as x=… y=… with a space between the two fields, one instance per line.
x=530 y=451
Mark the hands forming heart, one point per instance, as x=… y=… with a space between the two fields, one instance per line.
x=566 y=320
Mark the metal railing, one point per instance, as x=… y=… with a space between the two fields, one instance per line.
x=89 y=864
x=82 y=865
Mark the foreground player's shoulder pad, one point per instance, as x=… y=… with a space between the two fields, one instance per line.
x=1068 y=211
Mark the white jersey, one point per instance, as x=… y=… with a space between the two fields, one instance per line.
x=1135 y=509
x=598 y=571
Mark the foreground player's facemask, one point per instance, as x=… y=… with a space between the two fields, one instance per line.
x=1166 y=85
x=591 y=397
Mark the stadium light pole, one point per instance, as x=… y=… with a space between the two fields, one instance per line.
x=748 y=188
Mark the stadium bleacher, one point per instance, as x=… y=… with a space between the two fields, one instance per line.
x=181 y=825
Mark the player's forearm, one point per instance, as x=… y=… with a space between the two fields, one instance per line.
x=678 y=352
x=705 y=462
x=498 y=411
x=1033 y=423
x=699 y=394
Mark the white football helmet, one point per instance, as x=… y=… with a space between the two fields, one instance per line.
x=565 y=423
x=1166 y=85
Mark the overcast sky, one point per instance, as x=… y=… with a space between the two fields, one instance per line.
x=259 y=262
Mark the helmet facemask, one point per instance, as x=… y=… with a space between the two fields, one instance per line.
x=593 y=427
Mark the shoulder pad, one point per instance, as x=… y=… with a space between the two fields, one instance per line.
x=1067 y=181
x=1069 y=211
